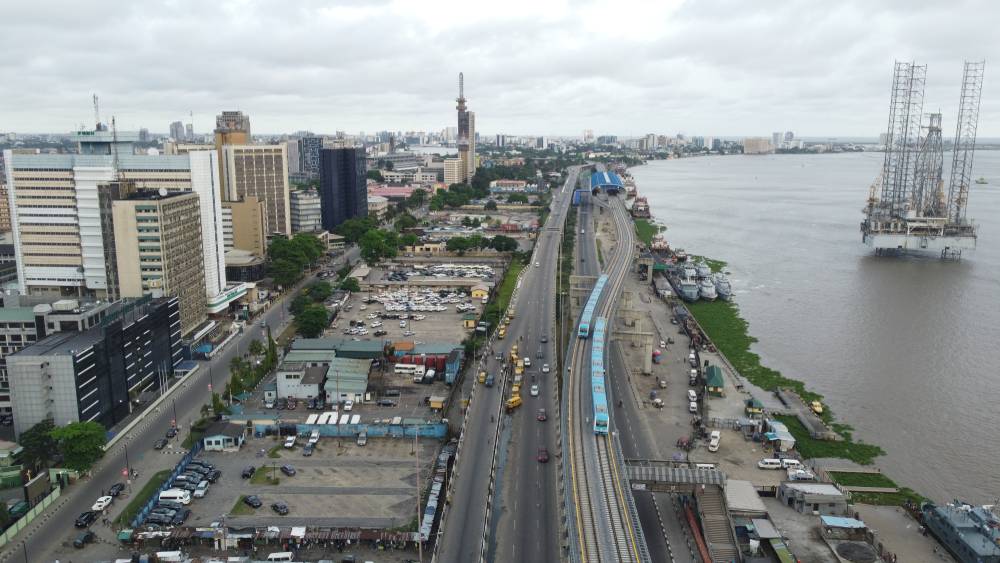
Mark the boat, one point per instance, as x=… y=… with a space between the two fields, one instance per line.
x=680 y=255
x=706 y=289
x=703 y=270
x=685 y=287
x=659 y=244
x=723 y=287
x=970 y=533
x=690 y=271
x=981 y=180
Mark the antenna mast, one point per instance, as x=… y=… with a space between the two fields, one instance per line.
x=97 y=114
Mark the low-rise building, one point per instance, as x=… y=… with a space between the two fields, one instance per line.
x=715 y=383
x=307 y=211
x=512 y=187
x=377 y=206
x=297 y=381
x=821 y=498
x=480 y=291
x=224 y=436
x=347 y=380
x=245 y=266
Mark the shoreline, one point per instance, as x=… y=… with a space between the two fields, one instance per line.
x=730 y=333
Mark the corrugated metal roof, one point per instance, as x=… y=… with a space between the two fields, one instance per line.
x=841 y=522
x=17 y=314
x=679 y=475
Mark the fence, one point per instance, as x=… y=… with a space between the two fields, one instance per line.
x=178 y=469
x=23 y=521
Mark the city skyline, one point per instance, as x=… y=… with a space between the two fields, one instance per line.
x=552 y=69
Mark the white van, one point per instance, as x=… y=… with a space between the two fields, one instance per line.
x=281 y=556
x=791 y=464
x=693 y=407
x=769 y=463
x=692 y=396
x=176 y=495
x=713 y=444
x=704 y=466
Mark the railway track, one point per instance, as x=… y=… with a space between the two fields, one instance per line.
x=605 y=528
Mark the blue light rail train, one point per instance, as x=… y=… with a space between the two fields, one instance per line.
x=588 y=311
x=598 y=387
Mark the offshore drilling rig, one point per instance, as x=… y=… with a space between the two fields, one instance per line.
x=909 y=208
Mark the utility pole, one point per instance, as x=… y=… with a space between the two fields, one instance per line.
x=416 y=449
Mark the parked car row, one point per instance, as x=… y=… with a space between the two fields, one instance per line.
x=193 y=482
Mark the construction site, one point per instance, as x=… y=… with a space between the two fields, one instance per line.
x=909 y=208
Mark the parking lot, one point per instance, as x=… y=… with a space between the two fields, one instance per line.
x=341 y=484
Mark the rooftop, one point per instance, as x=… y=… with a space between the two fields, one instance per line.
x=62 y=344
x=17 y=314
x=814 y=488
x=314 y=375
x=224 y=428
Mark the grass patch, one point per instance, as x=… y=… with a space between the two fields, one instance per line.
x=241 y=508
x=600 y=254
x=862 y=479
x=889 y=499
x=809 y=447
x=714 y=265
x=274 y=452
x=139 y=499
x=645 y=230
x=286 y=335
x=263 y=476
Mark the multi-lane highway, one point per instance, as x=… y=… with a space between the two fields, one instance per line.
x=528 y=518
x=49 y=531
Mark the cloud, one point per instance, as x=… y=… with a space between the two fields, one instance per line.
x=625 y=67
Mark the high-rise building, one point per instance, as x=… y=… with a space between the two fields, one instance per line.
x=343 y=185
x=501 y=140
x=454 y=171
x=309 y=148
x=588 y=135
x=757 y=145
x=231 y=128
x=100 y=373
x=789 y=136
x=177 y=131
x=144 y=135
x=158 y=250
x=776 y=138
x=243 y=225
x=4 y=201
x=307 y=211
x=189 y=131
x=294 y=157
x=64 y=247
x=466 y=134
x=260 y=171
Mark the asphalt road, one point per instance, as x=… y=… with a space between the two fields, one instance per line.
x=533 y=317
x=56 y=525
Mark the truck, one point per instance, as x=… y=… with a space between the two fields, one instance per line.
x=519 y=367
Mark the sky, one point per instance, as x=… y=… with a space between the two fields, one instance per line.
x=546 y=67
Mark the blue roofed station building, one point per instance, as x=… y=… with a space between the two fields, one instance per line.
x=610 y=182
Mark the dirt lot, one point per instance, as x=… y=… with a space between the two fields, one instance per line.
x=341 y=484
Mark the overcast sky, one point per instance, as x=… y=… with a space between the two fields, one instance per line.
x=622 y=67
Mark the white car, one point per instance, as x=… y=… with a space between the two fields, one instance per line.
x=376 y=324
x=102 y=503
x=534 y=390
x=545 y=368
x=538 y=264
x=402 y=324
x=408 y=333
x=372 y=316
x=363 y=307
x=348 y=405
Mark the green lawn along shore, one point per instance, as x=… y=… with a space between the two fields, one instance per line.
x=645 y=230
x=722 y=322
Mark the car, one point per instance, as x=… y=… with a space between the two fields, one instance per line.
x=385 y=403
x=85 y=519
x=181 y=516
x=348 y=405
x=280 y=507
x=534 y=390
x=252 y=501
x=543 y=455
x=290 y=442
x=213 y=475
x=527 y=362
x=189 y=486
x=308 y=450
x=102 y=503
x=402 y=324
x=158 y=520
x=542 y=417
x=545 y=368
x=268 y=404
x=171 y=432
x=164 y=511
x=160 y=444
x=544 y=339
x=248 y=472
x=201 y=490
x=380 y=333
x=168 y=504
x=281 y=404
x=288 y=470
x=83 y=538
x=538 y=264
x=116 y=489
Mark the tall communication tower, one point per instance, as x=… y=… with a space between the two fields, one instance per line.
x=907 y=207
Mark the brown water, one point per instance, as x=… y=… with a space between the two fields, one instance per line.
x=907 y=350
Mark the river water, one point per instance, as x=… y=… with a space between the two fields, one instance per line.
x=906 y=350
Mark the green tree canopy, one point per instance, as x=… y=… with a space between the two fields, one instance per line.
x=517 y=198
x=375 y=175
x=417 y=198
x=490 y=205
x=458 y=244
x=81 y=444
x=285 y=272
x=319 y=291
x=350 y=284
x=409 y=239
x=377 y=245
x=406 y=221
x=503 y=243
x=312 y=320
x=298 y=304
x=353 y=229
x=38 y=443
x=256 y=348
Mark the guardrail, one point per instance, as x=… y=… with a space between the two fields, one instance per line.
x=22 y=522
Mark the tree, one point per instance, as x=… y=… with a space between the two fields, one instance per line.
x=350 y=284
x=319 y=291
x=38 y=444
x=299 y=303
x=502 y=243
x=285 y=272
x=405 y=222
x=409 y=239
x=417 y=198
x=312 y=321
x=217 y=406
x=256 y=348
x=353 y=229
x=310 y=246
x=375 y=175
x=458 y=244
x=517 y=198
x=80 y=443
x=490 y=205
x=377 y=245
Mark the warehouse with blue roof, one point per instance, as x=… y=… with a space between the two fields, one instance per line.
x=607 y=181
